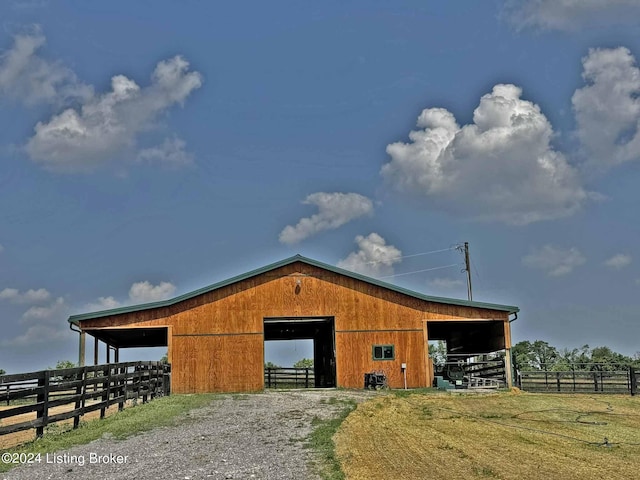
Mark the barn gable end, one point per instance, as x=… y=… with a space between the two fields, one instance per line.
x=215 y=336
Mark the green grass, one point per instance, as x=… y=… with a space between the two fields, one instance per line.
x=400 y=393
x=159 y=412
x=321 y=441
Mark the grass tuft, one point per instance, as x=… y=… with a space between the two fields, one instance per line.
x=321 y=440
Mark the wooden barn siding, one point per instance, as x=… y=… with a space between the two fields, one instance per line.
x=356 y=357
x=205 y=359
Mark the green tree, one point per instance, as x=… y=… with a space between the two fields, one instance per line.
x=611 y=360
x=2 y=372
x=438 y=353
x=65 y=364
x=62 y=364
x=165 y=358
x=304 y=363
x=538 y=355
x=271 y=365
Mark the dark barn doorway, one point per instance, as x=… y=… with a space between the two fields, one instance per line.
x=319 y=329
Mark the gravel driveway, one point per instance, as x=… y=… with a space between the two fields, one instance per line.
x=257 y=436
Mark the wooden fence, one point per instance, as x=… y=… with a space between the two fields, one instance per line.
x=594 y=379
x=82 y=390
x=289 y=378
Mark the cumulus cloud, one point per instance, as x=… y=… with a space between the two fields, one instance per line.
x=103 y=303
x=374 y=257
x=145 y=292
x=607 y=109
x=104 y=125
x=334 y=210
x=502 y=167
x=170 y=154
x=52 y=312
x=553 y=260
x=570 y=14
x=27 y=77
x=619 y=261
x=30 y=296
x=38 y=334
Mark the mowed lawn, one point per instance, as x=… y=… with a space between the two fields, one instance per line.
x=508 y=435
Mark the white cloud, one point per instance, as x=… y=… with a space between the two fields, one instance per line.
x=446 y=283
x=553 y=260
x=55 y=311
x=81 y=139
x=170 y=154
x=571 y=14
x=334 y=210
x=619 y=261
x=501 y=167
x=30 y=296
x=145 y=292
x=103 y=303
x=39 y=334
x=27 y=77
x=1 y=249
x=374 y=257
x=607 y=109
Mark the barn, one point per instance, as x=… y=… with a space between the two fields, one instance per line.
x=215 y=336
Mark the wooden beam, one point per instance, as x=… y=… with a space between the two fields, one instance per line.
x=508 y=366
x=82 y=348
x=95 y=350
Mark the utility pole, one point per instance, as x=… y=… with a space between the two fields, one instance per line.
x=464 y=249
x=467 y=265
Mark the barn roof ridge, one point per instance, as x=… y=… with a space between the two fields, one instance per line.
x=281 y=263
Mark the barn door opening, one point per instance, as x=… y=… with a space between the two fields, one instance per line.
x=321 y=331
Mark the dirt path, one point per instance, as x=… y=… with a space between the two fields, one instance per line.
x=257 y=436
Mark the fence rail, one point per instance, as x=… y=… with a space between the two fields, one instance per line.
x=85 y=389
x=289 y=377
x=592 y=379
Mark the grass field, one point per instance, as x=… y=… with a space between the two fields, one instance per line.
x=507 y=435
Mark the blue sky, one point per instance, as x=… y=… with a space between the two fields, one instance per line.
x=151 y=148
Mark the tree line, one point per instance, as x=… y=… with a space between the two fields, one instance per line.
x=540 y=355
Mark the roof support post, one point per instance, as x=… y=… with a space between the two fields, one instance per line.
x=508 y=365
x=82 y=348
x=95 y=350
x=108 y=353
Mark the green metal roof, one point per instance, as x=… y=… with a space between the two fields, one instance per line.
x=287 y=261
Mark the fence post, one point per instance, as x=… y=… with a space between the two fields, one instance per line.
x=634 y=380
x=105 y=390
x=8 y=389
x=306 y=379
x=558 y=380
x=269 y=377
x=43 y=412
x=80 y=390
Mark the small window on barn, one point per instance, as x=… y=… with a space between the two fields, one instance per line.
x=383 y=352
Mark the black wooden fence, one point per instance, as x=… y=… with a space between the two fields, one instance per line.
x=82 y=390
x=589 y=378
x=289 y=377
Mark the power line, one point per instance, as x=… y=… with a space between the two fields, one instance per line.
x=420 y=271
x=412 y=255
